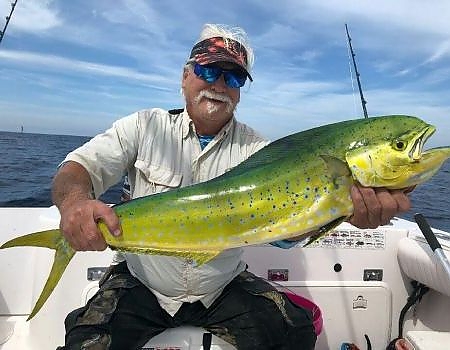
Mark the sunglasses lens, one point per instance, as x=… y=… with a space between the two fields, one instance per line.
x=208 y=73
x=233 y=78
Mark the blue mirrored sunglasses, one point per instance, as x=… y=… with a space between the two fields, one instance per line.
x=234 y=78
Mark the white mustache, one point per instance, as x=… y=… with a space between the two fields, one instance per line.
x=215 y=96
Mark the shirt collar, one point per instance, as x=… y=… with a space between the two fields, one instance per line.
x=188 y=126
x=187 y=123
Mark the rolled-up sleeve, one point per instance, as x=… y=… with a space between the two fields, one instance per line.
x=107 y=156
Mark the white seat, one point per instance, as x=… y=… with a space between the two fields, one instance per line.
x=429 y=340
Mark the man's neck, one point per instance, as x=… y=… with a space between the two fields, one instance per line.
x=208 y=127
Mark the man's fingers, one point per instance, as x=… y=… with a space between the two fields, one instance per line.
x=91 y=236
x=79 y=224
x=393 y=202
x=389 y=205
x=377 y=206
x=366 y=207
x=403 y=201
x=109 y=218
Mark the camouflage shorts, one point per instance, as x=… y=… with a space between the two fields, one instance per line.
x=250 y=314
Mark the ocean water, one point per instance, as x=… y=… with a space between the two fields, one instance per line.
x=29 y=161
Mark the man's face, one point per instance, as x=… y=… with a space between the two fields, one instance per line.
x=209 y=102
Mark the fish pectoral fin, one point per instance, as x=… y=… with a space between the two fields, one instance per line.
x=322 y=231
x=336 y=166
x=200 y=257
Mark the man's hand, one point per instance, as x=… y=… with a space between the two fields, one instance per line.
x=377 y=206
x=79 y=223
x=72 y=194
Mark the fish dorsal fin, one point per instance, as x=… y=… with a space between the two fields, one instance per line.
x=200 y=257
x=289 y=145
x=265 y=156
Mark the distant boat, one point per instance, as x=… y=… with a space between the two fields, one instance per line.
x=21 y=128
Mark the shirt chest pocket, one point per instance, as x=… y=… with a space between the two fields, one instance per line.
x=154 y=179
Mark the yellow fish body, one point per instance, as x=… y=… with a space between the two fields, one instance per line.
x=299 y=184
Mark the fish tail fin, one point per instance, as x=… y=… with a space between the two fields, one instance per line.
x=63 y=254
x=60 y=262
x=47 y=239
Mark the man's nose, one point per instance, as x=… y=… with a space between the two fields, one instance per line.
x=219 y=85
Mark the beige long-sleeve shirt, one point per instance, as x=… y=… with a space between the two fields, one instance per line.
x=160 y=151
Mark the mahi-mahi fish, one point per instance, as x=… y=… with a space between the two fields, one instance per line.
x=297 y=185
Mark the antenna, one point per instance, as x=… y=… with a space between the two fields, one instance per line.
x=363 y=101
x=2 y=32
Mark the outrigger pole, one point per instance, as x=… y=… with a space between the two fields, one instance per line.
x=363 y=101
x=2 y=32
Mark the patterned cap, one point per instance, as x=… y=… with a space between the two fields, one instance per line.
x=219 y=49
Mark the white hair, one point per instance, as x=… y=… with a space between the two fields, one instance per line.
x=235 y=33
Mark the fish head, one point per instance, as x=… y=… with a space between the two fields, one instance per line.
x=395 y=157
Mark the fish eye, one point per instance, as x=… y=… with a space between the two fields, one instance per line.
x=399 y=145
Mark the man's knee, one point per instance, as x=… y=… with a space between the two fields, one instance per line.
x=93 y=342
x=277 y=321
x=89 y=327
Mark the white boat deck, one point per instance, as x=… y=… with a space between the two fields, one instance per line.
x=359 y=278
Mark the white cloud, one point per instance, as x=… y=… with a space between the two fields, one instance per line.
x=33 y=16
x=51 y=62
x=130 y=55
x=442 y=51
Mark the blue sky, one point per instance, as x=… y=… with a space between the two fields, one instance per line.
x=73 y=67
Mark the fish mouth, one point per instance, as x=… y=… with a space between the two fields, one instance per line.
x=415 y=152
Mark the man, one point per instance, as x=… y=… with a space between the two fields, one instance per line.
x=159 y=150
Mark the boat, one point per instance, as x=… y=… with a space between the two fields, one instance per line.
x=370 y=286
x=361 y=281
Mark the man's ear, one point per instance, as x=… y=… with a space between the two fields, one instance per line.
x=184 y=78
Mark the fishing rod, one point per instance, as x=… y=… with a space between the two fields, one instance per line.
x=2 y=32
x=363 y=101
